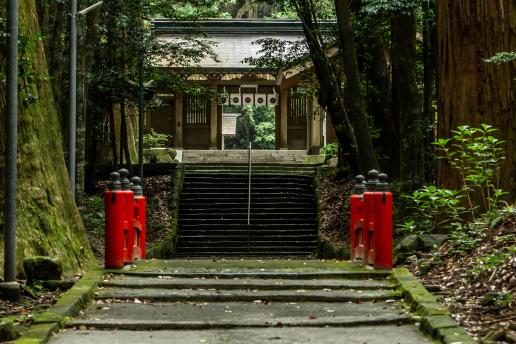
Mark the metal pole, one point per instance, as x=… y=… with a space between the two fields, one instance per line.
x=72 y=115
x=141 y=120
x=11 y=142
x=249 y=193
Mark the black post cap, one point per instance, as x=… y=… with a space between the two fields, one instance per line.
x=360 y=187
x=137 y=186
x=124 y=180
x=372 y=180
x=114 y=184
x=383 y=185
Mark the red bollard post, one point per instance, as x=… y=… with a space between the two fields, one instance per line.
x=140 y=219
x=113 y=230
x=128 y=216
x=383 y=222
x=356 y=220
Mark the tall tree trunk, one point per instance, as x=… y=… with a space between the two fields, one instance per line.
x=330 y=95
x=124 y=144
x=406 y=99
x=89 y=37
x=112 y=135
x=356 y=102
x=471 y=91
x=48 y=220
x=429 y=115
x=376 y=69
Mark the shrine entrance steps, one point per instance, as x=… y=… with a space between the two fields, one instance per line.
x=245 y=301
x=213 y=214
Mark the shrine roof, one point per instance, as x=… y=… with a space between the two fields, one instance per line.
x=232 y=39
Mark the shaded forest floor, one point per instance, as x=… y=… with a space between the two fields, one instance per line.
x=475 y=276
x=334 y=210
x=478 y=285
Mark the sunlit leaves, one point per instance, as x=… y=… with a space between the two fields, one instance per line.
x=502 y=57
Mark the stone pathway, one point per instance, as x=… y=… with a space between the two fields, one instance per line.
x=251 y=301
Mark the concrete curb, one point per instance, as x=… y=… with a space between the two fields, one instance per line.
x=69 y=305
x=435 y=318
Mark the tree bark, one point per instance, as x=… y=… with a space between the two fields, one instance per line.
x=356 y=102
x=48 y=220
x=406 y=100
x=471 y=91
x=329 y=89
x=429 y=92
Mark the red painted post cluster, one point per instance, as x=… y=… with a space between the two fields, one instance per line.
x=125 y=209
x=371 y=221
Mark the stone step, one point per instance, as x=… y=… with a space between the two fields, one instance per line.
x=227 y=243
x=311 y=273
x=263 y=177
x=243 y=221
x=229 y=194
x=296 y=233
x=242 y=209
x=243 y=215
x=160 y=325
x=189 y=295
x=244 y=227
x=252 y=284
x=267 y=201
x=245 y=190
x=285 y=250
x=189 y=166
x=244 y=185
x=276 y=333
x=243 y=254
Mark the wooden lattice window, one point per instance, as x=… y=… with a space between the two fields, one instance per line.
x=297 y=108
x=196 y=111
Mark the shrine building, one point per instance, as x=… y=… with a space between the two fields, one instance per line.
x=199 y=123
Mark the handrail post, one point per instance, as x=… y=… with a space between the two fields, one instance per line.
x=249 y=192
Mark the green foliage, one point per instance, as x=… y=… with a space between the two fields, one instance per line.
x=502 y=57
x=330 y=151
x=478 y=157
x=388 y=6
x=256 y=125
x=493 y=260
x=92 y=213
x=434 y=209
x=155 y=139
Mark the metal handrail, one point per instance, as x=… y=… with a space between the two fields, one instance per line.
x=249 y=192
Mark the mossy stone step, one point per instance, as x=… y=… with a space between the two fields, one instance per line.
x=189 y=295
x=246 y=283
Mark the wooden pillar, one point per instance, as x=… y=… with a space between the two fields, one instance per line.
x=316 y=127
x=214 y=120
x=283 y=119
x=179 y=121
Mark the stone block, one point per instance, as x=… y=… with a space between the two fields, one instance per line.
x=42 y=268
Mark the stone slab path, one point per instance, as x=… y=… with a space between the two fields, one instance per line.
x=244 y=301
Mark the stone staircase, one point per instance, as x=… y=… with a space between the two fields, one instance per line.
x=214 y=209
x=245 y=301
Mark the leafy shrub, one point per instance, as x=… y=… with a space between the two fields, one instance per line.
x=478 y=157
x=155 y=139
x=330 y=151
x=434 y=209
